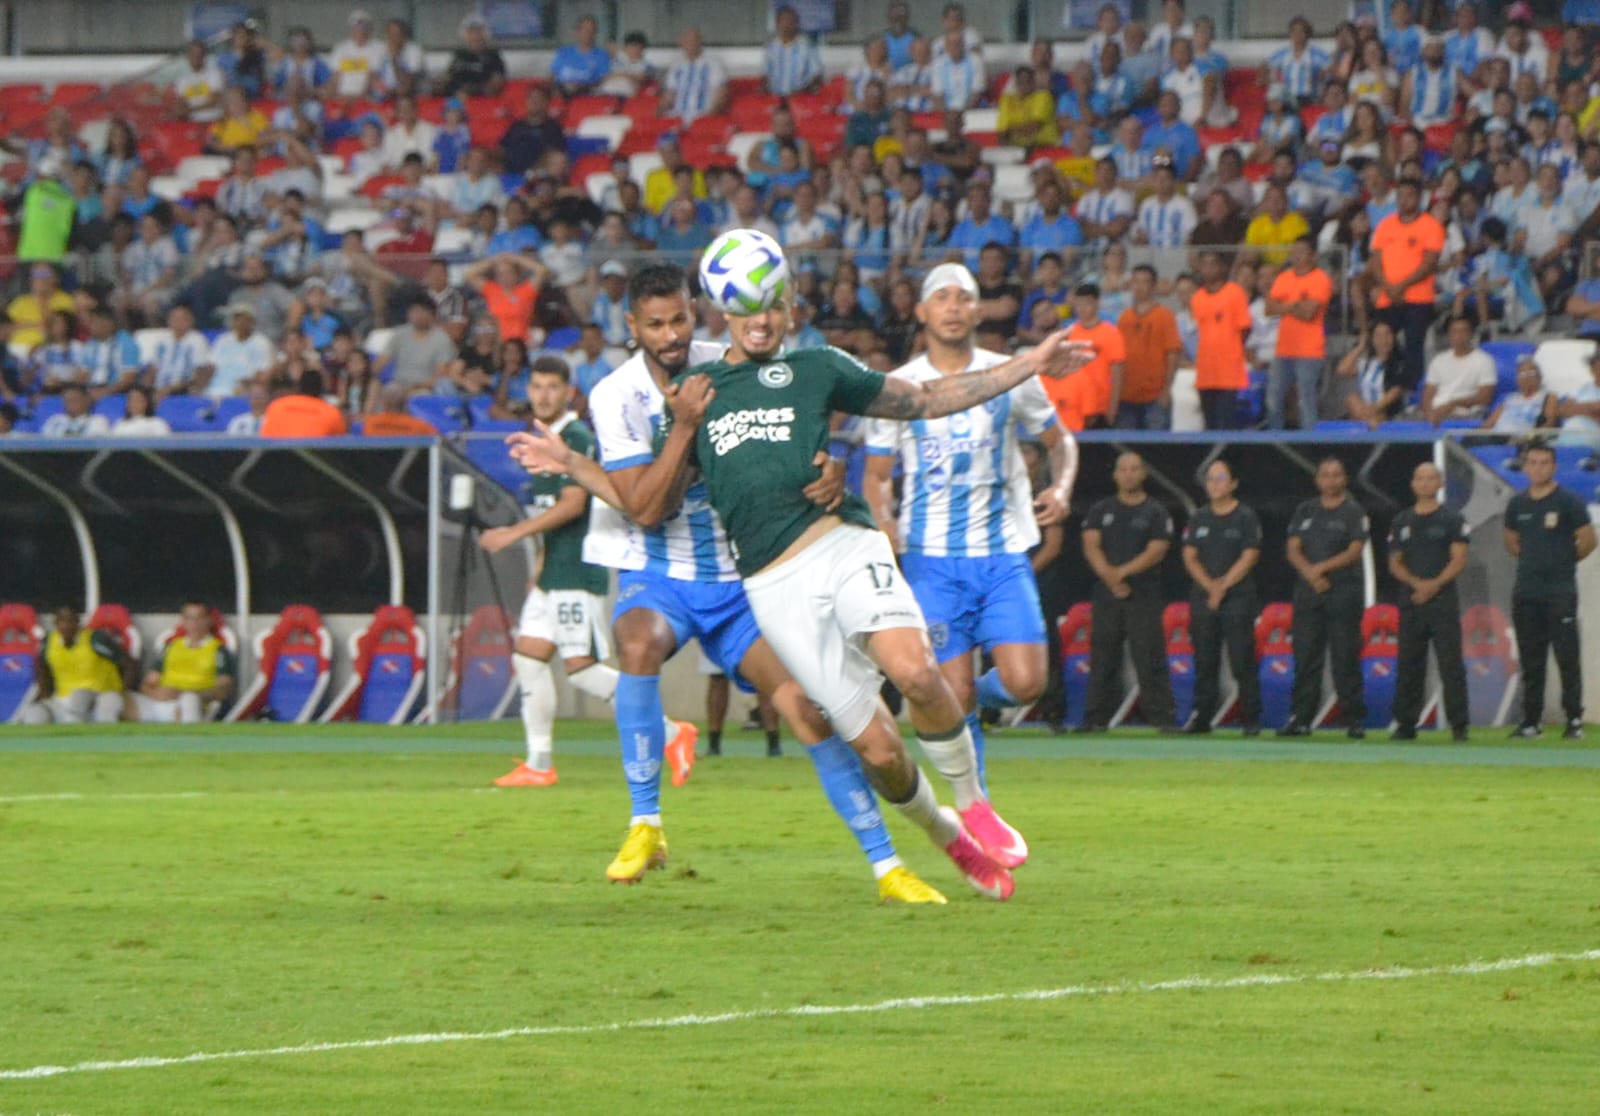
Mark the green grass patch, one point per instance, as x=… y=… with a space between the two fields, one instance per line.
x=264 y=886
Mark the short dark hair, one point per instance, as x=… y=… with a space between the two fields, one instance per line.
x=551 y=366
x=657 y=280
x=1538 y=447
x=1050 y=257
x=1147 y=269
x=310 y=381
x=1086 y=290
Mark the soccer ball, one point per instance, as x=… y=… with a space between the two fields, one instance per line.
x=744 y=272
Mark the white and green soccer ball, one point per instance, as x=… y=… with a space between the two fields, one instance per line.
x=743 y=272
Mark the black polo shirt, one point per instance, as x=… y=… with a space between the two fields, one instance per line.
x=1324 y=532
x=1546 y=527
x=1125 y=531
x=1219 y=541
x=1424 y=541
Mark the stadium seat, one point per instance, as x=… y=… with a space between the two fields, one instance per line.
x=228 y=409
x=1075 y=627
x=481 y=683
x=1380 y=651
x=1488 y=648
x=197 y=168
x=1275 y=659
x=293 y=661
x=608 y=128
x=446 y=412
x=112 y=408
x=114 y=618
x=388 y=666
x=1564 y=364
x=377 y=341
x=1180 y=658
x=20 y=641
x=188 y=414
x=44 y=407
x=1506 y=354
x=491 y=456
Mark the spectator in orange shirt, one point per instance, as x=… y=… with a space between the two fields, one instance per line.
x=1153 y=349
x=1299 y=300
x=1096 y=387
x=510 y=287
x=1405 y=258
x=391 y=419
x=1221 y=312
x=303 y=413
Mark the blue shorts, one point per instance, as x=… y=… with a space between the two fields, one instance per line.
x=713 y=612
x=975 y=602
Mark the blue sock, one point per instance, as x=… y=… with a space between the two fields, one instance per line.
x=644 y=742
x=845 y=784
x=992 y=692
x=975 y=727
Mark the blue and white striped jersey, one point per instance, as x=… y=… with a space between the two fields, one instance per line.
x=1433 y=96
x=966 y=491
x=1167 y=224
x=957 y=84
x=1301 y=74
x=177 y=359
x=109 y=360
x=791 y=66
x=627 y=408
x=695 y=86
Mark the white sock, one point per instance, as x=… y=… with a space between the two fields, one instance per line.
x=600 y=681
x=597 y=680
x=953 y=757
x=646 y=819
x=538 y=686
x=922 y=810
x=881 y=868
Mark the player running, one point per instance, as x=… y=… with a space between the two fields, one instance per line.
x=565 y=604
x=678 y=582
x=823 y=585
x=965 y=524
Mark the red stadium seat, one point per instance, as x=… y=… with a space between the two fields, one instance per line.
x=579 y=108
x=641 y=107
x=1492 y=667
x=378 y=183
x=293 y=661
x=1439 y=137
x=1311 y=114
x=114 y=618
x=388 y=664
x=1213 y=137
x=713 y=131
x=20 y=640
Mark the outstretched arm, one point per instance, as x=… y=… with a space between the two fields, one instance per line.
x=903 y=400
x=571 y=504
x=539 y=451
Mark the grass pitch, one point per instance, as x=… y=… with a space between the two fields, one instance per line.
x=219 y=891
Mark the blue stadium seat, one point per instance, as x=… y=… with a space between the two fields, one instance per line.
x=1075 y=627
x=188 y=414
x=1408 y=426
x=229 y=409
x=44 y=407
x=478 y=408
x=560 y=340
x=1180 y=658
x=445 y=412
x=1340 y=426
x=1275 y=661
x=1506 y=354
x=491 y=455
x=579 y=146
x=1460 y=424
x=112 y=408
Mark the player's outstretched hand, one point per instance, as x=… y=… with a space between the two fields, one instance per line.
x=1050 y=507
x=496 y=539
x=827 y=491
x=539 y=451
x=1058 y=356
x=689 y=400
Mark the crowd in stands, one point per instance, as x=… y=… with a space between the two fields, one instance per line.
x=1325 y=236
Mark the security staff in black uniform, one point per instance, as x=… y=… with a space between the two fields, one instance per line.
x=1125 y=537
x=1549 y=533
x=1221 y=545
x=1326 y=538
x=1427 y=552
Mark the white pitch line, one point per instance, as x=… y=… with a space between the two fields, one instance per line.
x=73 y=796
x=804 y=1011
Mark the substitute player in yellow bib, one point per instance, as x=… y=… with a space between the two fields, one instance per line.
x=79 y=674
x=195 y=671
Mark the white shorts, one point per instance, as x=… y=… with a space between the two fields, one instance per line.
x=817 y=609
x=77 y=708
x=569 y=618
x=183 y=709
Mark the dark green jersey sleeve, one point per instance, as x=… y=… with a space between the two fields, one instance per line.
x=227 y=663
x=855 y=386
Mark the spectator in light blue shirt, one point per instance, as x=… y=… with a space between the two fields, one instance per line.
x=899 y=35
x=578 y=67
x=589 y=365
x=981 y=226
x=1180 y=139
x=518 y=235
x=1141 y=67
x=1053 y=228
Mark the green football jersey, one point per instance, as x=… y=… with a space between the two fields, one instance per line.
x=758 y=438
x=564 y=567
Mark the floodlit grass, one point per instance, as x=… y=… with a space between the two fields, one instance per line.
x=164 y=893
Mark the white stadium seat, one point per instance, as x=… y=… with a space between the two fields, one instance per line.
x=981 y=120
x=1564 y=364
x=338 y=187
x=198 y=168
x=1012 y=183
x=452 y=239
x=596 y=185
x=343 y=220
x=1002 y=156
x=378 y=340
x=640 y=166
x=169 y=187
x=742 y=143
x=607 y=127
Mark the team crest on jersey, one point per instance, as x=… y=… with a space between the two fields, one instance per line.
x=939 y=635
x=960 y=424
x=778 y=375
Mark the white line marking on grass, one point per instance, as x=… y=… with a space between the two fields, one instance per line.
x=72 y=796
x=140 y=796
x=803 y=1011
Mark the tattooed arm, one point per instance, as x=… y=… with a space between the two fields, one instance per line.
x=945 y=395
